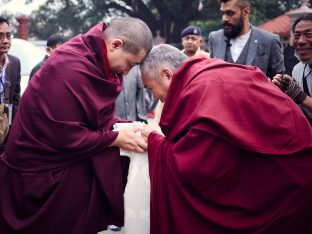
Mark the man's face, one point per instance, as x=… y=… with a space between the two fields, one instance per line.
x=233 y=21
x=5 y=38
x=303 y=40
x=159 y=87
x=191 y=43
x=121 y=61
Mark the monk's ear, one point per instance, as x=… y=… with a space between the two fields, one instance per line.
x=116 y=44
x=166 y=74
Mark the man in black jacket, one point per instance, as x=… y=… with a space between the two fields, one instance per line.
x=10 y=69
x=53 y=42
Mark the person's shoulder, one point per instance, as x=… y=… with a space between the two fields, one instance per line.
x=217 y=33
x=298 y=69
x=13 y=58
x=264 y=33
x=202 y=53
x=38 y=66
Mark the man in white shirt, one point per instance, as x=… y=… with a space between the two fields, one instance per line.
x=240 y=42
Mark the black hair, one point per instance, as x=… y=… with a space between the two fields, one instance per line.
x=3 y=20
x=305 y=17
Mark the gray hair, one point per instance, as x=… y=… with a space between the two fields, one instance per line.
x=161 y=56
x=133 y=32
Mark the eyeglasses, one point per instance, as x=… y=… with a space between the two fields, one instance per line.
x=5 y=35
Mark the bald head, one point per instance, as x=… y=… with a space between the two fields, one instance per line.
x=159 y=57
x=134 y=33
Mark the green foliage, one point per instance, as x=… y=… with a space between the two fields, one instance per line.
x=66 y=16
x=262 y=11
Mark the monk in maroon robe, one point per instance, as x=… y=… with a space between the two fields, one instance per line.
x=237 y=152
x=61 y=172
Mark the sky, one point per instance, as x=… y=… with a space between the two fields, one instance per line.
x=18 y=7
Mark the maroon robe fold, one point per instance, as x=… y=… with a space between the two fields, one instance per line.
x=237 y=156
x=58 y=174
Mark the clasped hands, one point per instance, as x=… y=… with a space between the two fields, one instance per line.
x=133 y=138
x=289 y=86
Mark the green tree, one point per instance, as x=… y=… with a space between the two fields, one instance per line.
x=73 y=17
x=67 y=17
x=263 y=11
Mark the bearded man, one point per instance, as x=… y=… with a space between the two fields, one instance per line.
x=241 y=43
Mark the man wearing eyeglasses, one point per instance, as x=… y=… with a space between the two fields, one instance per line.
x=10 y=70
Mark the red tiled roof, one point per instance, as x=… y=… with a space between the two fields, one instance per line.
x=280 y=25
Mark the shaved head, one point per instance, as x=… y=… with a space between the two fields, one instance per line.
x=133 y=32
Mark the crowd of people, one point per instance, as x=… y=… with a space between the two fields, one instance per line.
x=233 y=153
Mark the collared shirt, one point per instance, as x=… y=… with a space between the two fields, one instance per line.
x=199 y=52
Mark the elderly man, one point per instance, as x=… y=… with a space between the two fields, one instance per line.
x=299 y=87
x=241 y=43
x=191 y=41
x=61 y=171
x=224 y=165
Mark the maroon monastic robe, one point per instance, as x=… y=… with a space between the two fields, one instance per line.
x=236 y=158
x=58 y=175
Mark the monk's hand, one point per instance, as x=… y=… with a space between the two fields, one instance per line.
x=146 y=131
x=290 y=86
x=130 y=139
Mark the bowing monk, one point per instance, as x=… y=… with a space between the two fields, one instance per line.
x=236 y=155
x=61 y=172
